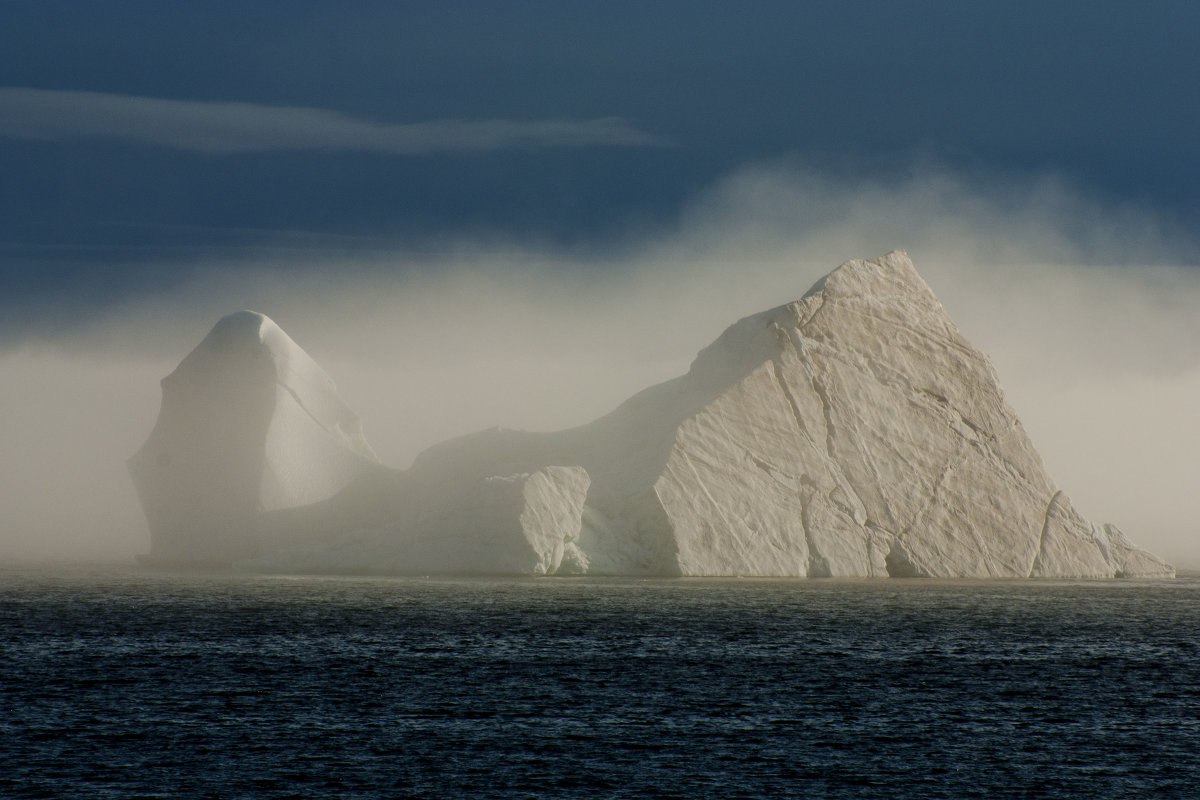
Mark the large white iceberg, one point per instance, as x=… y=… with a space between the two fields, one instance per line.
x=853 y=432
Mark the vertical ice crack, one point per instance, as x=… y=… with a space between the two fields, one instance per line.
x=791 y=399
x=1037 y=559
x=826 y=411
x=814 y=556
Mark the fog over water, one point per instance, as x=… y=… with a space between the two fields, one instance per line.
x=1087 y=310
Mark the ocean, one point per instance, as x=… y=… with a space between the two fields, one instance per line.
x=118 y=683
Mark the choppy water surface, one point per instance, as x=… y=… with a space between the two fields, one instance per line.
x=121 y=684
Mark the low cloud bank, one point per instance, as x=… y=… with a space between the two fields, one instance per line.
x=1086 y=310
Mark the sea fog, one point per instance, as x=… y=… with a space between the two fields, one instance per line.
x=1087 y=309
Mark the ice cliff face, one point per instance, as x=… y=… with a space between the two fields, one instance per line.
x=853 y=432
x=249 y=423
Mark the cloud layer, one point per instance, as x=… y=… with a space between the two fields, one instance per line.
x=221 y=128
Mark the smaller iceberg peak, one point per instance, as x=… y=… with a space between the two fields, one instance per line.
x=239 y=330
x=254 y=334
x=249 y=423
x=245 y=317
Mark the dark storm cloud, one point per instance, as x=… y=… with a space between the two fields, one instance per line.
x=245 y=127
x=1099 y=92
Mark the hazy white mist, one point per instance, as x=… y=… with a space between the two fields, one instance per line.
x=1093 y=332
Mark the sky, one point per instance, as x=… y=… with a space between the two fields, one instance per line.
x=479 y=214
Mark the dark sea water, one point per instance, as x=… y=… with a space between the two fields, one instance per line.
x=116 y=683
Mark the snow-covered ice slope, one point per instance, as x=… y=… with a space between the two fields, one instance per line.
x=853 y=432
x=249 y=423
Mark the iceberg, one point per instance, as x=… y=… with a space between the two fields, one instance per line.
x=852 y=432
x=249 y=423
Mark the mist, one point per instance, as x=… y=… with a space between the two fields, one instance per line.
x=1087 y=309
